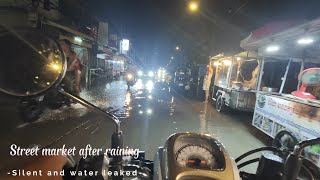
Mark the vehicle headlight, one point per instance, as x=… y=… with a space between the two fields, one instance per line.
x=129 y=76
x=149 y=85
x=140 y=73
x=150 y=74
x=149 y=111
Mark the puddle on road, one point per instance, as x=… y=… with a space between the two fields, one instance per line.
x=61 y=114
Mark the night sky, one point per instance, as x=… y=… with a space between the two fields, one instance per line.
x=156 y=27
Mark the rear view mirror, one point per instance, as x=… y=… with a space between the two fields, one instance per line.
x=30 y=62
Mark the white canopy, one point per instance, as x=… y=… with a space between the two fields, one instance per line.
x=296 y=43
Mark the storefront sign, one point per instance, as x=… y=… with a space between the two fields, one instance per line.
x=124 y=46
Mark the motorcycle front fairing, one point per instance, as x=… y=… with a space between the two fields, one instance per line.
x=194 y=156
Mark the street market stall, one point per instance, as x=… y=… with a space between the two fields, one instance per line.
x=287 y=106
x=235 y=81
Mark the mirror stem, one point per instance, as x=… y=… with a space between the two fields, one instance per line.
x=93 y=107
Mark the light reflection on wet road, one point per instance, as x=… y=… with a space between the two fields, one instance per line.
x=147 y=119
x=170 y=113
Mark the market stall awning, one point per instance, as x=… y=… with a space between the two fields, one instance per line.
x=301 y=41
x=244 y=55
x=217 y=56
x=268 y=30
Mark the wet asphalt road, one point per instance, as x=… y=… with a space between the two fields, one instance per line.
x=147 y=119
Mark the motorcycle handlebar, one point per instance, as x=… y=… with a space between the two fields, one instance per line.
x=293 y=162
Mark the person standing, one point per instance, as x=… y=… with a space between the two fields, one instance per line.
x=73 y=74
x=207 y=82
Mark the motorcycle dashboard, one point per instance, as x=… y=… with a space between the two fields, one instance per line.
x=198 y=153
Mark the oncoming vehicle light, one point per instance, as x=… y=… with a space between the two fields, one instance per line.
x=149 y=111
x=149 y=85
x=129 y=76
x=150 y=74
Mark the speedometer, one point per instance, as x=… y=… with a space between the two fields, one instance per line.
x=194 y=156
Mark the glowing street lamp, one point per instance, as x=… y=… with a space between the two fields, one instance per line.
x=193 y=6
x=177 y=48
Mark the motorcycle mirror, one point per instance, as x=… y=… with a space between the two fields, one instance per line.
x=310 y=77
x=31 y=63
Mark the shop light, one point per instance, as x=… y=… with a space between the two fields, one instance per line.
x=304 y=41
x=273 y=48
x=226 y=62
x=78 y=39
x=216 y=63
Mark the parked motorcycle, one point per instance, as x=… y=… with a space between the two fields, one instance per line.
x=184 y=156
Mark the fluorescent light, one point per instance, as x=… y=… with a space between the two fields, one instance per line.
x=272 y=48
x=78 y=39
x=305 y=41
